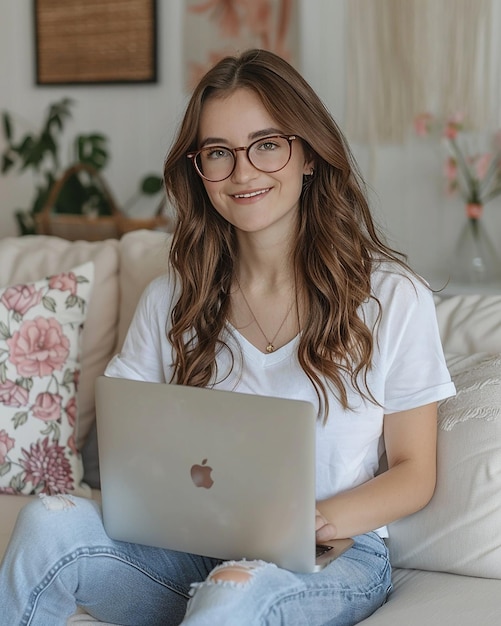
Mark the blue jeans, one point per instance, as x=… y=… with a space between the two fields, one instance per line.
x=60 y=556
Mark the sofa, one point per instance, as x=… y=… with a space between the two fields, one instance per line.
x=446 y=558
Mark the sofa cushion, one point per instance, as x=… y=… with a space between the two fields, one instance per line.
x=143 y=257
x=40 y=328
x=459 y=530
x=31 y=258
x=470 y=324
x=437 y=599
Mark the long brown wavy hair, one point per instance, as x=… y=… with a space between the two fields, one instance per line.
x=335 y=246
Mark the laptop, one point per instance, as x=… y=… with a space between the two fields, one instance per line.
x=216 y=473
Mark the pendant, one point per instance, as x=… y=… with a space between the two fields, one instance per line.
x=270 y=348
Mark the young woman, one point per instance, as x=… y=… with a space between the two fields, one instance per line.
x=280 y=285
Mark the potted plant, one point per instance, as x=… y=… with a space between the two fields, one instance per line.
x=83 y=191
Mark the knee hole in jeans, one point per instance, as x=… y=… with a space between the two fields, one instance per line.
x=234 y=572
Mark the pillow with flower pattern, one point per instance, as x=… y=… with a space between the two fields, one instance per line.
x=40 y=328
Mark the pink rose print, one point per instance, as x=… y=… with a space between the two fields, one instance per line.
x=47 y=407
x=6 y=444
x=39 y=347
x=71 y=410
x=12 y=394
x=47 y=467
x=20 y=298
x=64 y=282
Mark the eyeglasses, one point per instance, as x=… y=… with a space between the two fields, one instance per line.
x=269 y=154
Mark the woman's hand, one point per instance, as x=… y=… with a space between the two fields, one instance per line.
x=324 y=530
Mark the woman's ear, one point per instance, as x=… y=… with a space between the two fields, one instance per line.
x=309 y=168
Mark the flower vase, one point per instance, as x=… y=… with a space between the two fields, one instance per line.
x=475 y=260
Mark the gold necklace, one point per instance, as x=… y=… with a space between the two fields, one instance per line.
x=269 y=347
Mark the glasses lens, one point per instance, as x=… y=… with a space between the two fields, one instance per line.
x=215 y=163
x=270 y=154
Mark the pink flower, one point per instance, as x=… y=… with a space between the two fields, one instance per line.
x=47 y=468
x=21 y=298
x=64 y=282
x=6 y=444
x=474 y=210
x=39 y=347
x=422 y=123
x=71 y=410
x=453 y=125
x=12 y=394
x=47 y=407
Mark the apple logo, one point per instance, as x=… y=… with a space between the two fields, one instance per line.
x=201 y=475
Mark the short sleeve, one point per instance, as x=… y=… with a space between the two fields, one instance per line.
x=410 y=350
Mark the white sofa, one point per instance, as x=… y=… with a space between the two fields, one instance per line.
x=446 y=558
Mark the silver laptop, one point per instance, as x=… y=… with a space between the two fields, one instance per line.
x=216 y=473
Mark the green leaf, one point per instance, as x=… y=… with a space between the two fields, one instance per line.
x=49 y=303
x=17 y=483
x=58 y=112
x=92 y=150
x=4 y=331
x=27 y=383
x=7 y=126
x=151 y=185
x=25 y=146
x=69 y=377
x=72 y=196
x=48 y=144
x=20 y=418
x=53 y=429
x=3 y=372
x=71 y=301
x=34 y=155
x=7 y=163
x=5 y=468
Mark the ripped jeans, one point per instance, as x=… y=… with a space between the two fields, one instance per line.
x=60 y=557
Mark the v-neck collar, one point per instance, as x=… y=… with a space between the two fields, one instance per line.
x=265 y=359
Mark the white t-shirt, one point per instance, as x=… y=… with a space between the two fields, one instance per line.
x=408 y=371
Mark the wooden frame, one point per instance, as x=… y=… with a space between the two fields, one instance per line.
x=95 y=41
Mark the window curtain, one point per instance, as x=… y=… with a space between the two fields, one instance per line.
x=405 y=57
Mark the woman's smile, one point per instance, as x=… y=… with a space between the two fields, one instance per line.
x=251 y=195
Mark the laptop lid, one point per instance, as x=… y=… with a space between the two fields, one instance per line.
x=216 y=473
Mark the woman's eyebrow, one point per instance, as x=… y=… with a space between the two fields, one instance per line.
x=221 y=141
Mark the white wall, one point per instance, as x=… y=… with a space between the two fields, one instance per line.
x=140 y=121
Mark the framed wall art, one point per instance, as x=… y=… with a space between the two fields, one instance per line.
x=95 y=41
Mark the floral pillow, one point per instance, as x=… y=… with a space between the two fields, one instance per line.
x=40 y=328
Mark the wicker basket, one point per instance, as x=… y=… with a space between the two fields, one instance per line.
x=87 y=227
